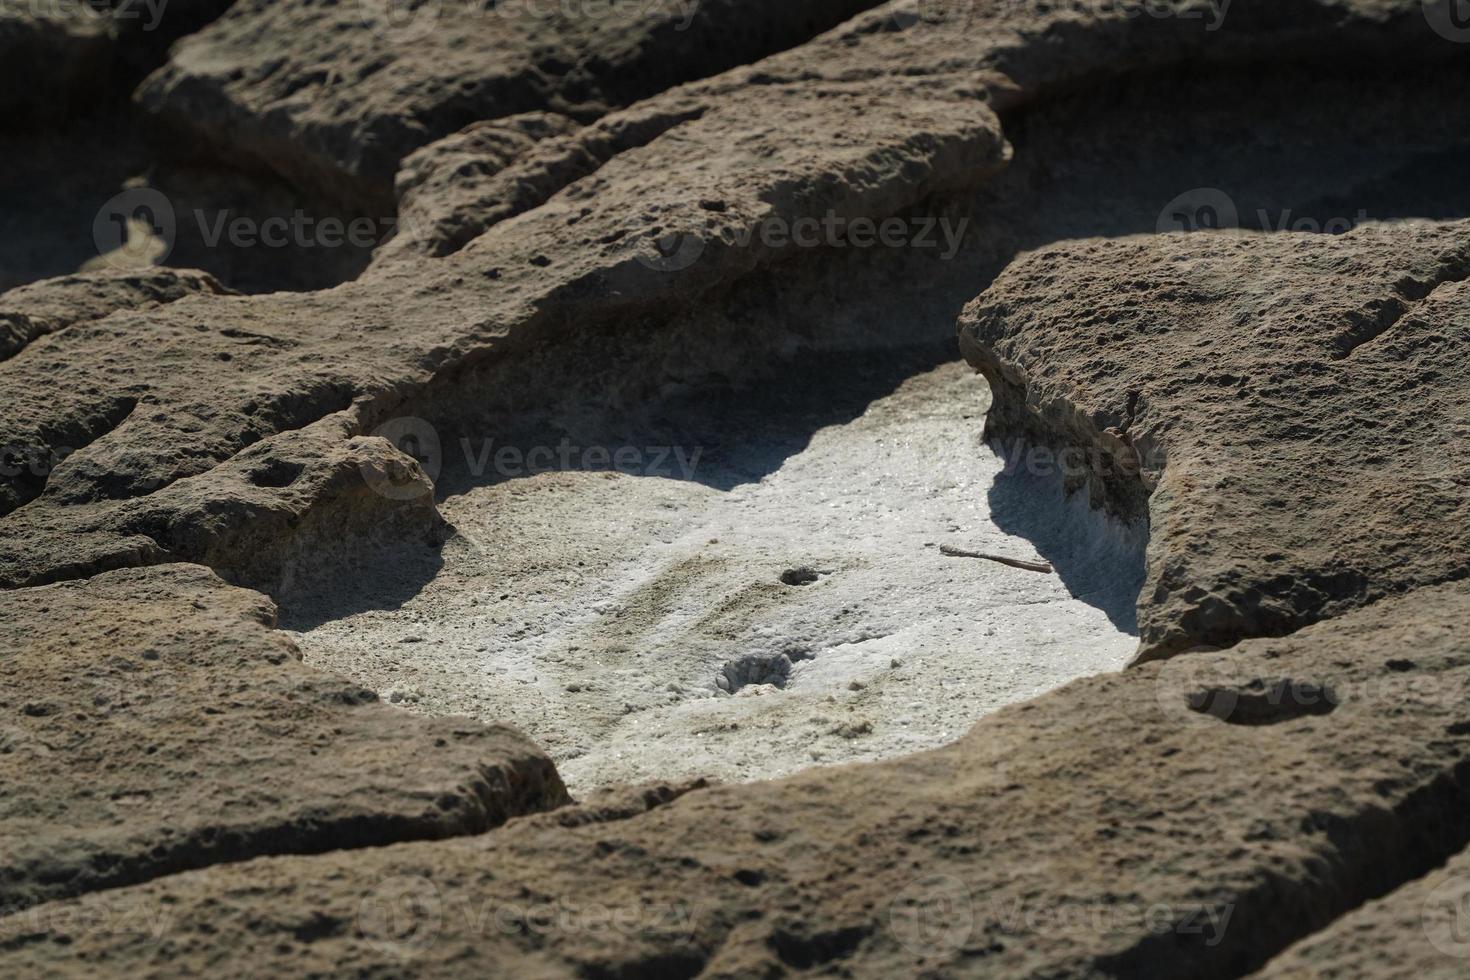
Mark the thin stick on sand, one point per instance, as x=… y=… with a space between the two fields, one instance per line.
x=1030 y=566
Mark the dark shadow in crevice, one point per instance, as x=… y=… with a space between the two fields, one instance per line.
x=721 y=433
x=382 y=577
x=1192 y=149
x=1098 y=557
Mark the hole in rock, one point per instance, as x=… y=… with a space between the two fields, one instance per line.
x=1260 y=703
x=620 y=584
x=276 y=473
x=759 y=668
x=626 y=503
x=798 y=576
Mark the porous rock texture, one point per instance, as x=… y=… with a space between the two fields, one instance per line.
x=1260 y=399
x=27 y=312
x=365 y=83
x=1197 y=843
x=154 y=722
x=144 y=402
x=1417 y=931
x=1286 y=404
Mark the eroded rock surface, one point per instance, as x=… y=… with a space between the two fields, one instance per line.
x=1418 y=931
x=1283 y=408
x=762 y=591
x=27 y=312
x=151 y=721
x=1285 y=402
x=145 y=401
x=1195 y=846
x=360 y=85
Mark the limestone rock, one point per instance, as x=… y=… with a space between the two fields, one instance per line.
x=142 y=402
x=363 y=84
x=151 y=721
x=1169 y=820
x=1415 y=932
x=27 y=312
x=1280 y=401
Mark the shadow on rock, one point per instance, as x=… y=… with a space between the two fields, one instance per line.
x=1099 y=558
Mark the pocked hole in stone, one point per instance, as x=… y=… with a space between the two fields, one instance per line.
x=799 y=576
x=1265 y=703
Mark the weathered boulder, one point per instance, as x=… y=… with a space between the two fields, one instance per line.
x=359 y=85
x=27 y=312
x=151 y=721
x=1189 y=818
x=1280 y=402
x=142 y=401
x=1416 y=932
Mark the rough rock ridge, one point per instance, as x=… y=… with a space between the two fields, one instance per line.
x=1283 y=402
x=1195 y=845
x=153 y=722
x=1285 y=408
x=365 y=83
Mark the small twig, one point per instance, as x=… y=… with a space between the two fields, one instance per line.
x=1030 y=566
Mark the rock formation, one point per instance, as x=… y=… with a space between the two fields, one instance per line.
x=602 y=216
